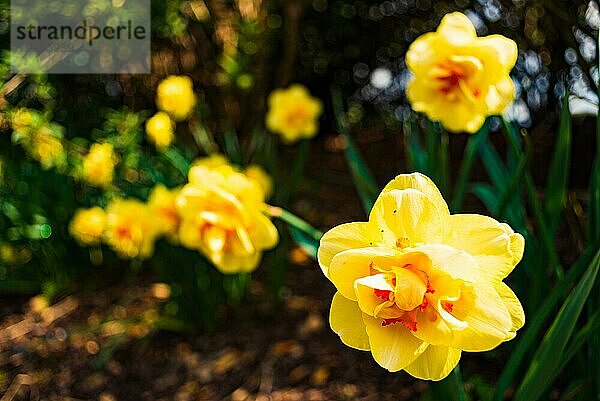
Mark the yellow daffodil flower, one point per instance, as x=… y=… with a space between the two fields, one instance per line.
x=87 y=225
x=175 y=95
x=459 y=78
x=23 y=118
x=222 y=217
x=293 y=113
x=130 y=228
x=163 y=207
x=160 y=130
x=416 y=285
x=99 y=165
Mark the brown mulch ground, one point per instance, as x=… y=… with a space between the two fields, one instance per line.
x=94 y=347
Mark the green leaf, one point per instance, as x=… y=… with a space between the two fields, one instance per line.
x=550 y=353
x=361 y=175
x=232 y=147
x=486 y=194
x=416 y=157
x=558 y=174
x=528 y=339
x=538 y=212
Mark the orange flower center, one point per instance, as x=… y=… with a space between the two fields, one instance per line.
x=398 y=305
x=455 y=76
x=296 y=117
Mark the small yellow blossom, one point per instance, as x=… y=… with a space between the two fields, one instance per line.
x=293 y=113
x=99 y=165
x=416 y=285
x=130 y=228
x=175 y=95
x=222 y=217
x=87 y=225
x=22 y=119
x=46 y=148
x=459 y=78
x=160 y=130
x=163 y=207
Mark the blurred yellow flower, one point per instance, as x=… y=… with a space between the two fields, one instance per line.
x=22 y=119
x=130 y=228
x=293 y=113
x=211 y=161
x=160 y=130
x=459 y=78
x=47 y=149
x=99 y=165
x=258 y=174
x=87 y=225
x=416 y=285
x=175 y=95
x=222 y=217
x=163 y=207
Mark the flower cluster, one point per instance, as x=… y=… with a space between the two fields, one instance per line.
x=128 y=226
x=219 y=213
x=176 y=100
x=41 y=138
x=416 y=285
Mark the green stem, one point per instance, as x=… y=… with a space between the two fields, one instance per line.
x=295 y=222
x=464 y=174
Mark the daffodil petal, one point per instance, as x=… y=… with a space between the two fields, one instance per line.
x=264 y=234
x=421 y=183
x=341 y=238
x=365 y=288
x=488 y=321
x=457 y=29
x=393 y=347
x=345 y=319
x=494 y=246
x=515 y=309
x=505 y=48
x=348 y=266
x=451 y=261
x=435 y=363
x=406 y=217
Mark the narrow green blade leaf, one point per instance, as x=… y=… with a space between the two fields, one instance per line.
x=558 y=174
x=549 y=355
x=416 y=158
x=528 y=339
